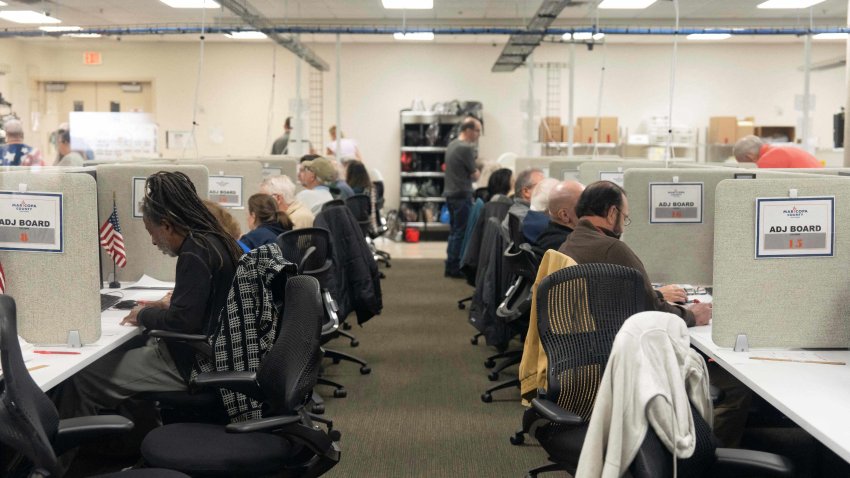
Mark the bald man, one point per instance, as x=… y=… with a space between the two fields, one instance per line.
x=562 y=214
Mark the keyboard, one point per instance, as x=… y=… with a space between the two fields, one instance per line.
x=108 y=300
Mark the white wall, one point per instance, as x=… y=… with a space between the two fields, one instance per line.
x=379 y=79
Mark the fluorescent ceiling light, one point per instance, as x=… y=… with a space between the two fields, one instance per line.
x=567 y=36
x=191 y=3
x=249 y=35
x=831 y=36
x=598 y=36
x=789 y=3
x=27 y=16
x=408 y=4
x=82 y=35
x=626 y=4
x=708 y=36
x=414 y=36
x=54 y=29
x=582 y=36
x=3 y=4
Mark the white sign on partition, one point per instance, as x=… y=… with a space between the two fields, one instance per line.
x=795 y=227
x=615 y=177
x=226 y=190
x=31 y=221
x=138 y=195
x=675 y=203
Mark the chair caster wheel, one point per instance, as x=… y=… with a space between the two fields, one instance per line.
x=318 y=409
x=489 y=363
x=365 y=370
x=354 y=343
x=381 y=275
x=340 y=393
x=461 y=306
x=336 y=361
x=517 y=439
x=473 y=340
x=335 y=435
x=486 y=398
x=346 y=326
x=389 y=265
x=493 y=376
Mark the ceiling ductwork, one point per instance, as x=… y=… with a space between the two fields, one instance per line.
x=521 y=45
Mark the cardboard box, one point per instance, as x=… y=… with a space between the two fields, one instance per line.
x=548 y=132
x=722 y=129
x=784 y=134
x=608 y=129
x=552 y=121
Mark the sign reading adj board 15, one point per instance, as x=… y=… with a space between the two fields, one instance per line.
x=793 y=227
x=675 y=203
x=31 y=221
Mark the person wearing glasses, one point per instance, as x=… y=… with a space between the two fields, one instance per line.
x=603 y=212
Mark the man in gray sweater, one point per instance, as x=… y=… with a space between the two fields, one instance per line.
x=461 y=171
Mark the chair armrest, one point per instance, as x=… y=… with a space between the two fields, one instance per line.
x=240 y=382
x=73 y=432
x=269 y=424
x=291 y=426
x=198 y=342
x=554 y=413
x=735 y=462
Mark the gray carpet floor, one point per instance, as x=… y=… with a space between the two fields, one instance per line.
x=419 y=412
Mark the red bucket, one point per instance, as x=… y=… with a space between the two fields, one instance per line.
x=411 y=234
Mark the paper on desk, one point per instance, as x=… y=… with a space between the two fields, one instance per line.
x=148 y=282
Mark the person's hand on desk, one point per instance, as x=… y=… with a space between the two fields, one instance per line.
x=673 y=293
x=701 y=311
x=163 y=303
x=133 y=317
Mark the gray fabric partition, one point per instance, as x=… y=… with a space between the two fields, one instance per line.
x=563 y=167
x=272 y=165
x=58 y=292
x=142 y=256
x=589 y=171
x=251 y=173
x=779 y=302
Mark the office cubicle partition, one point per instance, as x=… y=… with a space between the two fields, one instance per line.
x=231 y=183
x=126 y=182
x=49 y=253
x=781 y=254
x=590 y=172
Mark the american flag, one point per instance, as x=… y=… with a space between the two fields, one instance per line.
x=2 y=280
x=112 y=240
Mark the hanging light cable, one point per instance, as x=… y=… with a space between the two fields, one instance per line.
x=668 y=151
x=197 y=87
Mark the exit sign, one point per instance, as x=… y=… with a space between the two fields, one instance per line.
x=92 y=58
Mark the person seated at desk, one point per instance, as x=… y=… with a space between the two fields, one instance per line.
x=526 y=181
x=180 y=226
x=562 y=214
x=751 y=149
x=537 y=217
x=265 y=221
x=603 y=212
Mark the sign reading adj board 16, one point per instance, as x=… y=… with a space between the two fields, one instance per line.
x=793 y=227
x=675 y=203
x=31 y=221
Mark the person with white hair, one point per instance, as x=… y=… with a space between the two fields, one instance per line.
x=15 y=152
x=282 y=189
x=752 y=149
x=537 y=218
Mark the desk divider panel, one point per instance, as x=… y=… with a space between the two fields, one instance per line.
x=251 y=174
x=590 y=172
x=142 y=256
x=785 y=302
x=56 y=292
x=274 y=165
x=563 y=168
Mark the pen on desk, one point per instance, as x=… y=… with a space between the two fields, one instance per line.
x=37 y=367
x=825 y=362
x=54 y=352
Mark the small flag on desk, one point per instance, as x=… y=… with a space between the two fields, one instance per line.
x=2 y=280
x=112 y=240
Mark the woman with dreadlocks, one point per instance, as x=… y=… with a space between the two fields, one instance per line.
x=180 y=226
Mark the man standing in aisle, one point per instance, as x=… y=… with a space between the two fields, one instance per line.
x=281 y=145
x=751 y=149
x=461 y=172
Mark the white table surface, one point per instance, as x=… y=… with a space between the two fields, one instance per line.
x=59 y=367
x=815 y=396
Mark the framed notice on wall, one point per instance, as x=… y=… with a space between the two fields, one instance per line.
x=226 y=190
x=31 y=221
x=795 y=227
x=138 y=195
x=675 y=203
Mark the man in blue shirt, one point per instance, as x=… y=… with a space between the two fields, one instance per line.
x=15 y=152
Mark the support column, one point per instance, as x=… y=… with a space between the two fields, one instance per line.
x=807 y=74
x=338 y=96
x=529 y=130
x=847 y=102
x=571 y=109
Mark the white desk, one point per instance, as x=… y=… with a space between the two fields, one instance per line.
x=59 y=367
x=815 y=396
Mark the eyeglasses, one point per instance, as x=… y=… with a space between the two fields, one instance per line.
x=626 y=219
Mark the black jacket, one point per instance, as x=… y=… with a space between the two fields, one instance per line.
x=497 y=208
x=358 y=287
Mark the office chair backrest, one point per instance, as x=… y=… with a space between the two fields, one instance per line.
x=482 y=194
x=580 y=309
x=515 y=230
x=28 y=419
x=360 y=206
x=296 y=244
x=289 y=371
x=333 y=203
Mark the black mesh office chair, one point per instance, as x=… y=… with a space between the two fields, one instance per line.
x=579 y=311
x=295 y=246
x=360 y=206
x=285 y=441
x=333 y=203
x=30 y=424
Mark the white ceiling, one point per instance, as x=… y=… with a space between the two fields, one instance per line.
x=446 y=13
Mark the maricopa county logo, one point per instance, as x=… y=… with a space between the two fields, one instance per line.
x=794 y=212
x=675 y=193
x=23 y=206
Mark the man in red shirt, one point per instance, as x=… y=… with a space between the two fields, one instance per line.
x=751 y=149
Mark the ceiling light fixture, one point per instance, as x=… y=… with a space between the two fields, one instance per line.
x=408 y=4
x=82 y=35
x=625 y=4
x=191 y=3
x=567 y=36
x=582 y=36
x=831 y=36
x=708 y=36
x=789 y=3
x=414 y=36
x=246 y=35
x=54 y=29
x=27 y=16
x=598 y=36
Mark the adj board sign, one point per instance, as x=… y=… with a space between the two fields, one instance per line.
x=675 y=203
x=138 y=195
x=795 y=227
x=226 y=190
x=31 y=221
